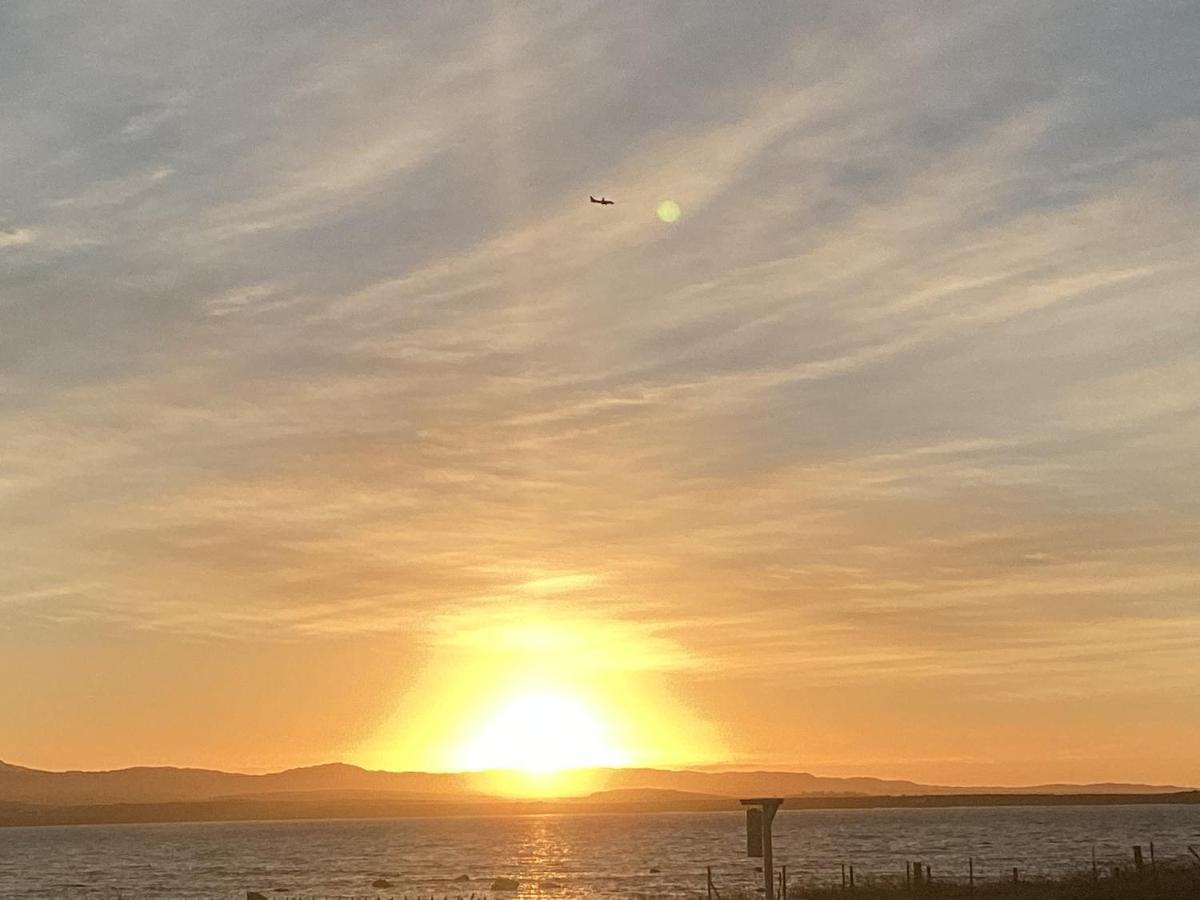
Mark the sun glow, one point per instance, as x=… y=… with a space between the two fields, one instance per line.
x=536 y=700
x=541 y=732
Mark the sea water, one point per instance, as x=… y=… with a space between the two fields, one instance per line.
x=574 y=856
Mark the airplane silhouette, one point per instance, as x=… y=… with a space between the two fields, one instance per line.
x=603 y=201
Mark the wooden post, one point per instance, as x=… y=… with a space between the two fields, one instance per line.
x=843 y=876
x=783 y=885
x=768 y=859
x=708 y=881
x=1137 y=858
x=1016 y=875
x=970 y=871
x=851 y=876
x=928 y=874
x=908 y=876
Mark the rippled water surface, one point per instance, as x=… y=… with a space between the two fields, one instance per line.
x=569 y=856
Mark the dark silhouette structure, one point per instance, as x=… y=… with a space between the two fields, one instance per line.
x=760 y=813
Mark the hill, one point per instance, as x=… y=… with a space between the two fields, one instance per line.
x=337 y=790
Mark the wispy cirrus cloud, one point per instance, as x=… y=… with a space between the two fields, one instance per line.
x=16 y=237
x=309 y=338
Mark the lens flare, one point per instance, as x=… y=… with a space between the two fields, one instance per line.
x=668 y=211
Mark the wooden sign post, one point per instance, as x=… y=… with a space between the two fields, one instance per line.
x=759 y=816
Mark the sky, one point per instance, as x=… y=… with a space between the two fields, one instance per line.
x=335 y=422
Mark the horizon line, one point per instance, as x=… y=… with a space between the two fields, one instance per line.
x=705 y=769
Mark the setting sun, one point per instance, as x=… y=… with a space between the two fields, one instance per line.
x=529 y=696
x=541 y=732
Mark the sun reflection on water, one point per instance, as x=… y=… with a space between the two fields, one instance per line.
x=543 y=856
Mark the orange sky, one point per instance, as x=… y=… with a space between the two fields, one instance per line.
x=335 y=423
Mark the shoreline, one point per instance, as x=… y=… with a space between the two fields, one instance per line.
x=266 y=809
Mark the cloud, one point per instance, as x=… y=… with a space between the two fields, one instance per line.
x=16 y=237
x=116 y=191
x=330 y=348
x=143 y=123
x=256 y=297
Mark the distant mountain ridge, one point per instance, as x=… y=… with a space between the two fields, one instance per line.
x=174 y=785
x=156 y=784
x=789 y=784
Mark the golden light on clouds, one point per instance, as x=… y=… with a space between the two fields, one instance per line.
x=380 y=427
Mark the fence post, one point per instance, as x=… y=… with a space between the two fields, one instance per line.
x=970 y=871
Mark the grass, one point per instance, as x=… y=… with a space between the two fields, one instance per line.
x=1166 y=882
